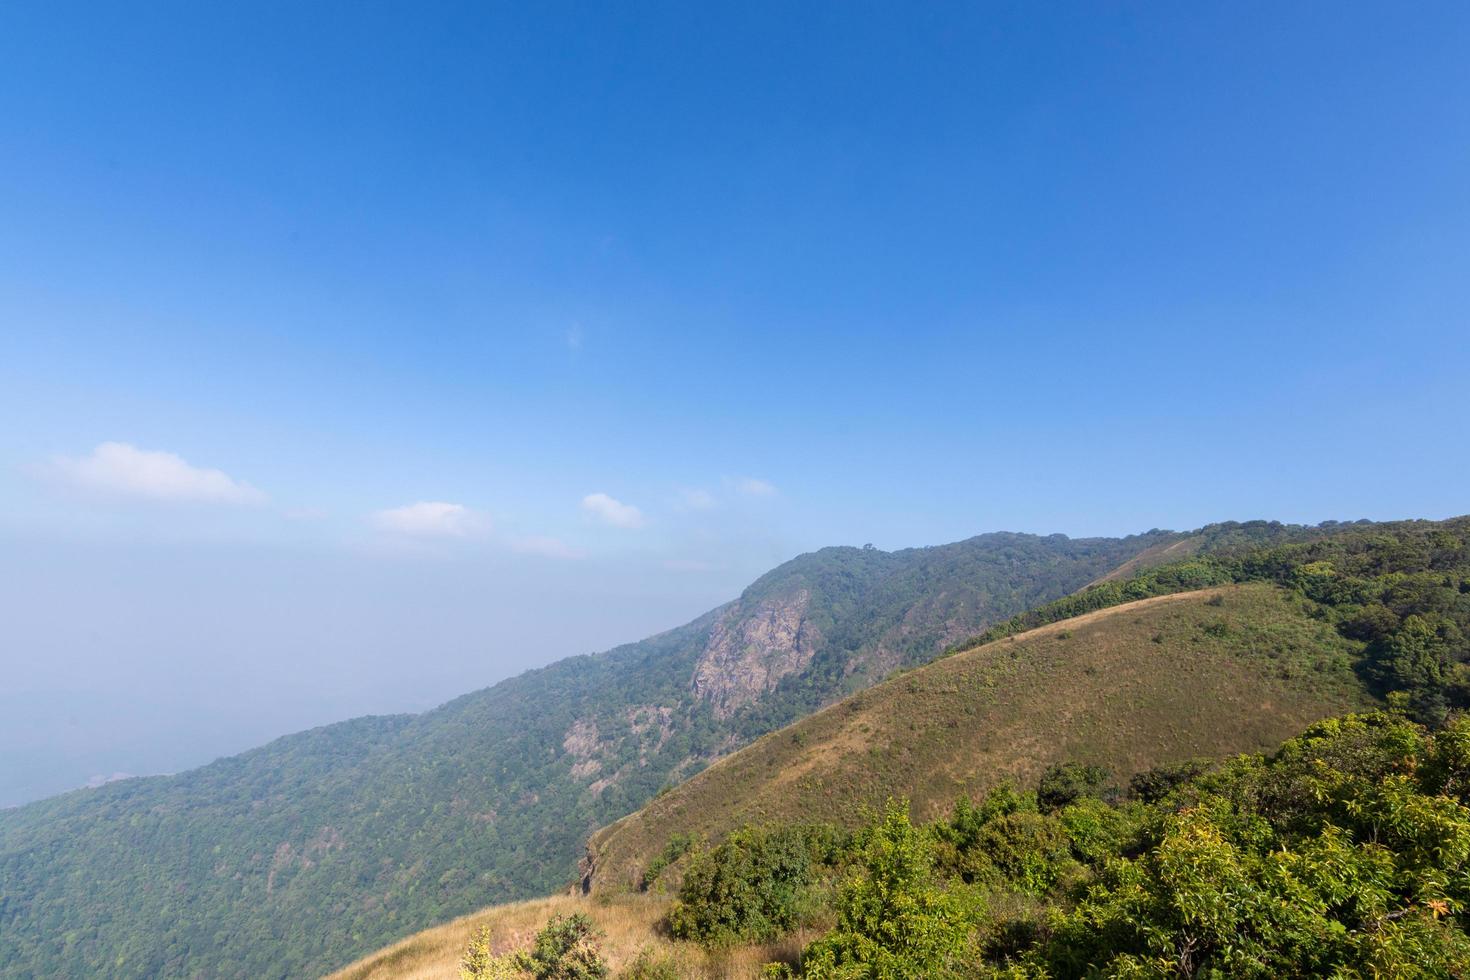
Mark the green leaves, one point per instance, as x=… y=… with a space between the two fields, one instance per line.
x=752 y=887
x=566 y=948
x=894 y=919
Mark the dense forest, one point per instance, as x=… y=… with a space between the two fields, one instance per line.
x=298 y=856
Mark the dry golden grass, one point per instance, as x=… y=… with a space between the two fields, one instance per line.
x=1208 y=673
x=630 y=924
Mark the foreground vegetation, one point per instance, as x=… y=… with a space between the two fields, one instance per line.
x=1346 y=852
x=297 y=857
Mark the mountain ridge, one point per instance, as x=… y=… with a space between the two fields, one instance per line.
x=295 y=856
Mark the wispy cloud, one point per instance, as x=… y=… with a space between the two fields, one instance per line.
x=695 y=498
x=124 y=469
x=752 y=487
x=612 y=511
x=573 y=337
x=432 y=518
x=545 y=547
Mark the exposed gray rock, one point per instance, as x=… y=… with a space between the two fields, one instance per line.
x=751 y=648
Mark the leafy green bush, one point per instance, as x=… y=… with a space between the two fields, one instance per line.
x=1069 y=782
x=565 y=949
x=480 y=963
x=753 y=886
x=649 y=965
x=1345 y=853
x=1154 y=784
x=893 y=917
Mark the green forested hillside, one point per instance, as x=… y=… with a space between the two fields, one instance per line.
x=1255 y=634
x=300 y=855
x=1157 y=681
x=1344 y=852
x=1098 y=832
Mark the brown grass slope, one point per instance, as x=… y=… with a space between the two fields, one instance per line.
x=1209 y=673
x=1159 y=554
x=629 y=925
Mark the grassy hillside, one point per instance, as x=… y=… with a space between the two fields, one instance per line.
x=1256 y=633
x=631 y=925
x=1211 y=673
x=1343 y=852
x=300 y=855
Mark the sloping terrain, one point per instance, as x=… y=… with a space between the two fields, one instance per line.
x=1199 y=674
x=298 y=856
x=1258 y=632
x=1160 y=554
x=630 y=925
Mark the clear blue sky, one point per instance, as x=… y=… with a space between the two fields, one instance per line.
x=642 y=299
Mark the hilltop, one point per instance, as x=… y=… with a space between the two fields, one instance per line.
x=1202 y=674
x=297 y=856
x=1232 y=649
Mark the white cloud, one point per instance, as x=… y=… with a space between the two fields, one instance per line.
x=696 y=499
x=121 y=468
x=611 y=511
x=573 y=337
x=534 y=544
x=432 y=518
x=752 y=487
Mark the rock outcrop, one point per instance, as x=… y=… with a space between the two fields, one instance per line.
x=751 y=648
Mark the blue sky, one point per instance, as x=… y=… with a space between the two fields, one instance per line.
x=353 y=356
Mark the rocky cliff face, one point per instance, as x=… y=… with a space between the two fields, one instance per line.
x=751 y=648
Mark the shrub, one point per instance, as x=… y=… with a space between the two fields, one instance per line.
x=893 y=919
x=648 y=965
x=1069 y=782
x=749 y=888
x=1156 y=783
x=566 y=949
x=480 y=963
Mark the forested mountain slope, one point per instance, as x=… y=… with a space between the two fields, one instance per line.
x=1255 y=633
x=1161 y=680
x=300 y=855
x=1228 y=650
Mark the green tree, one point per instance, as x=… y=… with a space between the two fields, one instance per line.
x=565 y=949
x=894 y=920
x=749 y=888
x=479 y=961
x=1068 y=782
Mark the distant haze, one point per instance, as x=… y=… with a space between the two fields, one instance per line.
x=356 y=356
x=155 y=659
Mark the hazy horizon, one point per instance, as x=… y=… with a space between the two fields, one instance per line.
x=353 y=359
